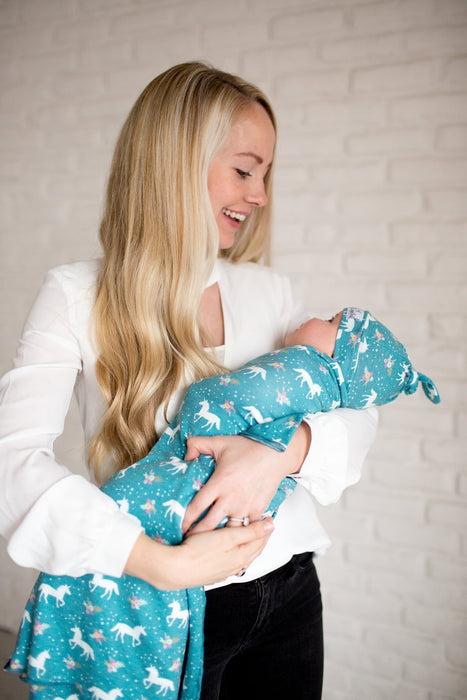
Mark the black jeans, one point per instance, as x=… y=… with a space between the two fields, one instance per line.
x=264 y=638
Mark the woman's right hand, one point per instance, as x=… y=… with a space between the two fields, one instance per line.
x=201 y=559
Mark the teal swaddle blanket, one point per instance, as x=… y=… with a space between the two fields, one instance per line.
x=100 y=637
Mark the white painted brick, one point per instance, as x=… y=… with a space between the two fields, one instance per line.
x=234 y=34
x=452 y=138
x=453 y=10
x=310 y=23
x=300 y=87
x=345 y=113
x=402 y=642
x=451 y=300
x=362 y=235
x=32 y=11
x=391 y=15
x=445 y=513
x=391 y=266
x=381 y=558
x=429 y=171
x=389 y=141
x=9 y=14
x=364 y=658
x=356 y=50
x=398 y=77
x=429 y=234
x=308 y=145
x=432 y=108
x=268 y=63
x=81 y=33
x=449 y=267
x=415 y=414
x=107 y=56
x=438 y=40
x=379 y=203
x=447 y=569
x=342 y=173
x=142 y=21
x=394 y=531
x=456 y=654
x=449 y=451
x=382 y=608
x=433 y=678
x=449 y=203
x=383 y=503
x=455 y=72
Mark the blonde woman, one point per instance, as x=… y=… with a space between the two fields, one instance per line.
x=179 y=294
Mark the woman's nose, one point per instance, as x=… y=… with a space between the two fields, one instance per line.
x=257 y=194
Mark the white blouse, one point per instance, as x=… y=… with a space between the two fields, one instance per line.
x=60 y=522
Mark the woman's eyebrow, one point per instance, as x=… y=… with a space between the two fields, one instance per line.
x=258 y=158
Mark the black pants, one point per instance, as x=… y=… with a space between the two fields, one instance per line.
x=264 y=638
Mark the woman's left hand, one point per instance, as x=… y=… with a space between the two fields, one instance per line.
x=245 y=479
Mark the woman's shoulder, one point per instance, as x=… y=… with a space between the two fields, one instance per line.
x=76 y=280
x=82 y=274
x=254 y=276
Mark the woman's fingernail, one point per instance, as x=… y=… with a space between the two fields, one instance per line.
x=268 y=525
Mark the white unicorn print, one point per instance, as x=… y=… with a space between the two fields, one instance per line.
x=177 y=614
x=124 y=505
x=254 y=371
x=253 y=414
x=171 y=432
x=78 y=641
x=173 y=508
x=98 y=694
x=58 y=593
x=122 y=630
x=26 y=618
x=178 y=465
x=109 y=586
x=314 y=389
x=210 y=418
x=370 y=398
x=38 y=662
x=155 y=679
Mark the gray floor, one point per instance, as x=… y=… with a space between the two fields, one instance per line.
x=11 y=688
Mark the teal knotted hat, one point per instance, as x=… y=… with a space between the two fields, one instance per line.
x=372 y=364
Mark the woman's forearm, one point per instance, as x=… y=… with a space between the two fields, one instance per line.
x=201 y=559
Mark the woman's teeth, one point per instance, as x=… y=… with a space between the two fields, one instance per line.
x=234 y=214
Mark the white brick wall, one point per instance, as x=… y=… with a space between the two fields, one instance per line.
x=371 y=210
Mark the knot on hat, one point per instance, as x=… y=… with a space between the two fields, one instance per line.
x=414 y=378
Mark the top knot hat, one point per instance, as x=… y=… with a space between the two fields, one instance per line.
x=373 y=366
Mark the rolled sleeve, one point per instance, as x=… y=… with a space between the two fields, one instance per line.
x=75 y=529
x=340 y=443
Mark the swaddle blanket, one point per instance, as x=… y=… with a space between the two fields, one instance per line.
x=99 y=637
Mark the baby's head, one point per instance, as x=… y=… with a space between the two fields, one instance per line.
x=372 y=365
x=318 y=333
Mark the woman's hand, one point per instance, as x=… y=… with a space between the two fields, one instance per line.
x=245 y=479
x=201 y=559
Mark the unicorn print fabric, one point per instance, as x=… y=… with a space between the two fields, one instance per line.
x=99 y=637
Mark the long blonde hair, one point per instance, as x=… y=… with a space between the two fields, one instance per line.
x=160 y=241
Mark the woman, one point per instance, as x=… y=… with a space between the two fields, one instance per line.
x=190 y=181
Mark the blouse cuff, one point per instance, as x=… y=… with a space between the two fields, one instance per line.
x=75 y=529
x=324 y=471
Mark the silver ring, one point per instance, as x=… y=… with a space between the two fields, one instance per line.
x=241 y=572
x=245 y=521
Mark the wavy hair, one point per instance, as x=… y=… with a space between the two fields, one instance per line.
x=160 y=240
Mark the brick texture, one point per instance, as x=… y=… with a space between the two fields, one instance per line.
x=371 y=210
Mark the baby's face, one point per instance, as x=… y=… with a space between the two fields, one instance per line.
x=318 y=333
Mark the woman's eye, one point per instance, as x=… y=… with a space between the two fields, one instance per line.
x=243 y=173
